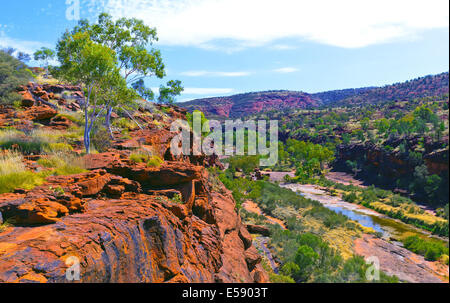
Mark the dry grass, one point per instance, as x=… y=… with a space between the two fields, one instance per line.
x=63 y=163
x=10 y=134
x=11 y=162
x=13 y=173
x=41 y=79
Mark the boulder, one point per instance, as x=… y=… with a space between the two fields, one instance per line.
x=37 y=113
x=27 y=99
x=60 y=122
x=169 y=174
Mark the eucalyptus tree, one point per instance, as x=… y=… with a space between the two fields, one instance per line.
x=167 y=93
x=92 y=65
x=44 y=55
x=130 y=38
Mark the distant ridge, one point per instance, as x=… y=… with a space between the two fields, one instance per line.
x=249 y=103
x=242 y=105
x=428 y=86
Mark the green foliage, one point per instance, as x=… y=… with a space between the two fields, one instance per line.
x=125 y=123
x=429 y=248
x=394 y=206
x=138 y=158
x=36 y=142
x=101 y=140
x=44 y=55
x=308 y=158
x=68 y=169
x=203 y=121
x=13 y=73
x=151 y=161
x=351 y=197
x=13 y=174
x=354 y=271
x=23 y=179
x=178 y=199
x=402 y=131
x=245 y=163
x=167 y=93
x=85 y=61
x=280 y=278
x=155 y=161
x=242 y=188
x=73 y=117
x=63 y=164
x=107 y=57
x=305 y=259
x=305 y=256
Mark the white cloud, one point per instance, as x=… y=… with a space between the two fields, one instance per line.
x=203 y=73
x=28 y=47
x=285 y=70
x=283 y=47
x=345 y=23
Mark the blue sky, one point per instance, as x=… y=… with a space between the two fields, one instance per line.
x=223 y=47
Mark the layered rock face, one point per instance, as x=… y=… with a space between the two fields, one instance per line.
x=38 y=102
x=392 y=164
x=127 y=230
x=123 y=221
x=384 y=168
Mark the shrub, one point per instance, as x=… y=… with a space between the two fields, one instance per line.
x=351 y=197
x=35 y=143
x=155 y=161
x=13 y=174
x=63 y=164
x=24 y=179
x=125 y=123
x=57 y=147
x=12 y=74
x=138 y=158
x=11 y=162
x=177 y=199
x=430 y=249
x=274 y=278
x=101 y=140
x=73 y=117
x=142 y=157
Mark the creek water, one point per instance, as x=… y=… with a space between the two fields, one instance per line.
x=388 y=227
x=362 y=216
x=364 y=220
x=394 y=259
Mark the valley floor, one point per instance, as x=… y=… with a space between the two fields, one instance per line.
x=393 y=258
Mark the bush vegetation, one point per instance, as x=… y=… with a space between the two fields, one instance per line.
x=394 y=206
x=13 y=73
x=63 y=164
x=304 y=254
x=36 y=142
x=430 y=249
x=407 y=130
x=13 y=173
x=150 y=160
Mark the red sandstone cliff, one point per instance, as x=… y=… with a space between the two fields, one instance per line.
x=121 y=219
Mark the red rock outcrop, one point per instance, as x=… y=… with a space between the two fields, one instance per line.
x=121 y=235
x=124 y=221
x=61 y=196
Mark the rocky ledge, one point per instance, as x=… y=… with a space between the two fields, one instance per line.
x=127 y=228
